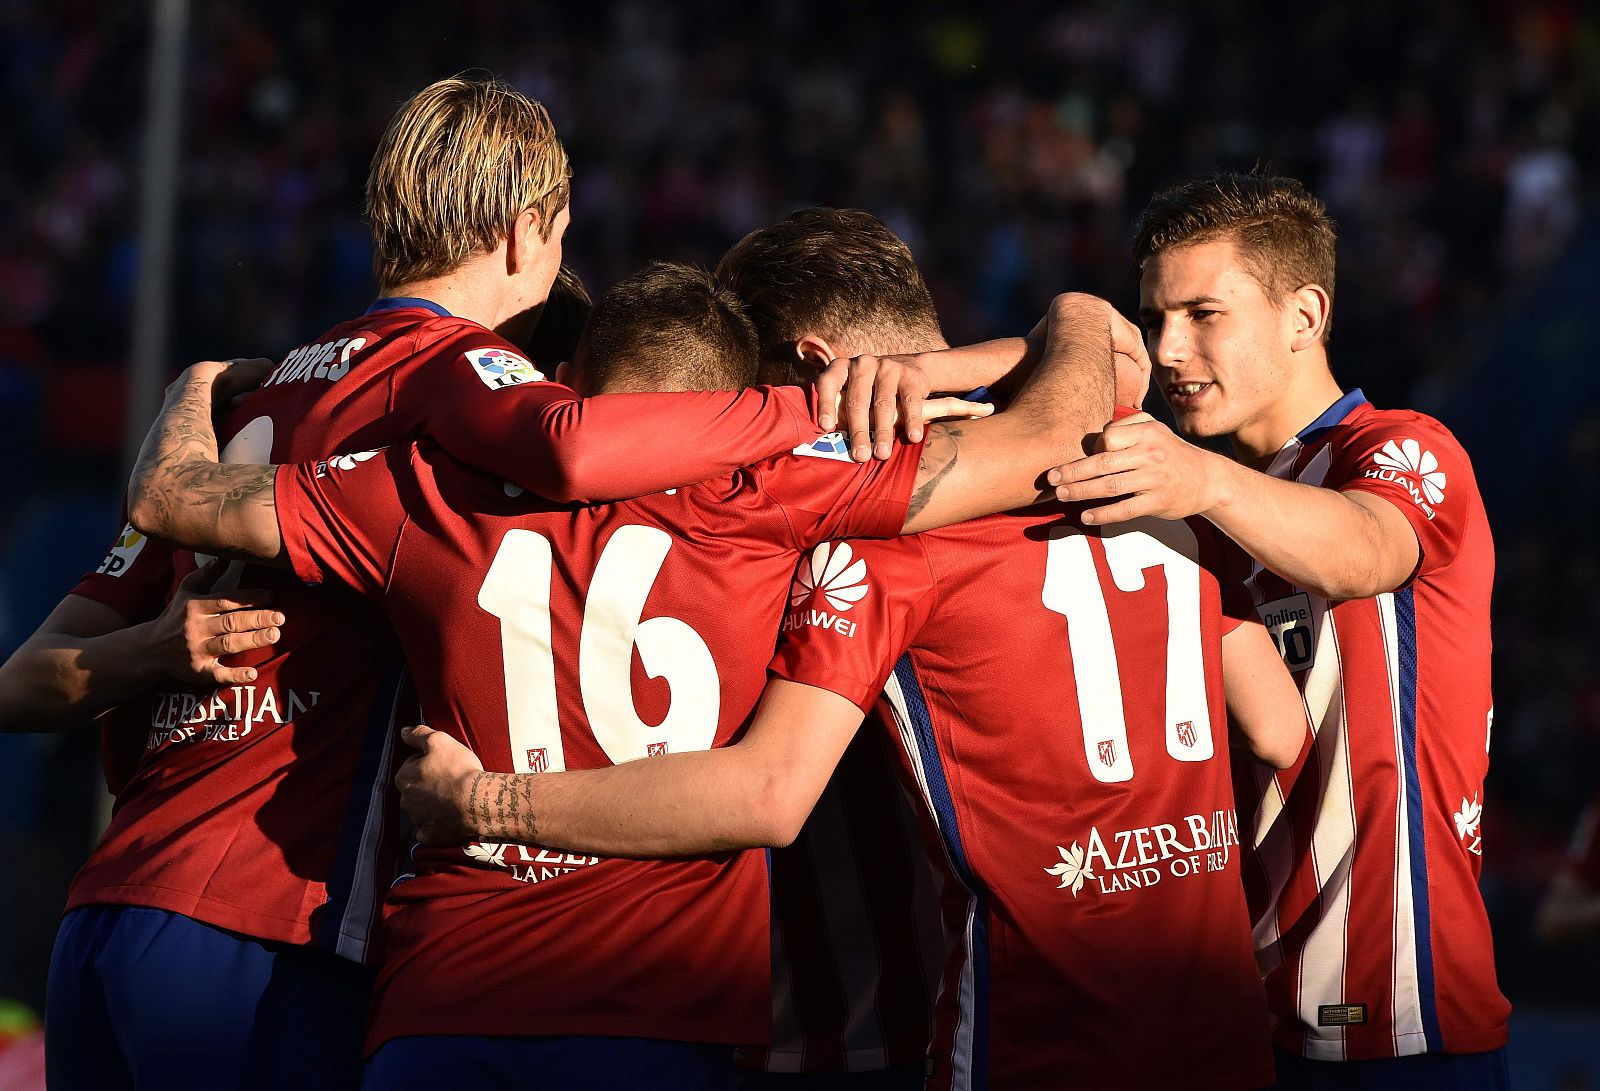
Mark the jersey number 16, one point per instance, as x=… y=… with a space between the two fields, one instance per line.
x=517 y=591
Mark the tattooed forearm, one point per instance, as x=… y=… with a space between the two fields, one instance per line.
x=509 y=816
x=474 y=814
x=939 y=453
x=179 y=491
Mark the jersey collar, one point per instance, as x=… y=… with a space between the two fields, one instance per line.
x=1331 y=416
x=404 y=302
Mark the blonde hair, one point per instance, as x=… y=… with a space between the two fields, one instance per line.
x=458 y=164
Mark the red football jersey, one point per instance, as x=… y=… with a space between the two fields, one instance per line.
x=1057 y=697
x=261 y=807
x=857 y=947
x=1363 y=880
x=551 y=636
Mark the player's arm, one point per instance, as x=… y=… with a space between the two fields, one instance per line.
x=1341 y=545
x=1264 y=705
x=182 y=493
x=85 y=658
x=968 y=469
x=546 y=438
x=754 y=793
x=1001 y=365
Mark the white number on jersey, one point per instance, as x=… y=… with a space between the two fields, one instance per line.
x=517 y=591
x=1072 y=588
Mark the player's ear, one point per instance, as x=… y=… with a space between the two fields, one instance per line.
x=814 y=353
x=566 y=375
x=522 y=241
x=1309 y=310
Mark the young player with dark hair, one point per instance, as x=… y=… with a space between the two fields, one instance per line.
x=1373 y=567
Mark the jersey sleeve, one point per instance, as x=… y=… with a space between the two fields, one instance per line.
x=490 y=408
x=1415 y=463
x=135 y=579
x=824 y=495
x=341 y=519
x=855 y=607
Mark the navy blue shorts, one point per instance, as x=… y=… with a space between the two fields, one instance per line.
x=145 y=999
x=1422 y=1072
x=908 y=1078
x=557 y=1063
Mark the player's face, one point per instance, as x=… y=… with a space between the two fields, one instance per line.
x=1218 y=342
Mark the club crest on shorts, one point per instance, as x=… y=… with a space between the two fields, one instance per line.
x=1107 y=750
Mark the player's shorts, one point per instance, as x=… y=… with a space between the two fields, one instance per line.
x=557 y=1063
x=142 y=998
x=1422 y=1072
x=908 y=1078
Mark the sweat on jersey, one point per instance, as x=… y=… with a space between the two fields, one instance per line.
x=1362 y=859
x=549 y=637
x=262 y=807
x=1056 y=695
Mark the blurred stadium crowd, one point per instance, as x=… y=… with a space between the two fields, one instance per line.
x=1458 y=145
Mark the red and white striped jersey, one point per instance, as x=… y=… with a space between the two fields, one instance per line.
x=1363 y=864
x=857 y=944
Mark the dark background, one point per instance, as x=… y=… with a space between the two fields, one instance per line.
x=1457 y=144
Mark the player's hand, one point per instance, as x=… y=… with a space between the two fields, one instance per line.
x=201 y=626
x=1128 y=352
x=865 y=397
x=435 y=785
x=1139 y=459
x=241 y=379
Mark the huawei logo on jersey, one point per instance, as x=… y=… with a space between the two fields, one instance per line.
x=1416 y=470
x=833 y=572
x=830 y=571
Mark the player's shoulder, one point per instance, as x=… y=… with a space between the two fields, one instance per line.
x=1367 y=423
x=496 y=361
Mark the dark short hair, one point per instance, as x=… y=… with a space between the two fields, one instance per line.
x=830 y=271
x=669 y=326
x=1284 y=235
x=562 y=318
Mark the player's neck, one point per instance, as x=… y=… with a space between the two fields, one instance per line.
x=473 y=291
x=1306 y=398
